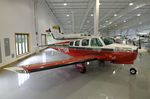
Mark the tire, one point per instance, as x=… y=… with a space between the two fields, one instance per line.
x=133 y=71
x=83 y=70
x=81 y=67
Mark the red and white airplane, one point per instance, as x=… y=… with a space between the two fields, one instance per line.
x=85 y=50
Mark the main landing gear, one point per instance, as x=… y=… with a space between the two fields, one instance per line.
x=133 y=71
x=81 y=67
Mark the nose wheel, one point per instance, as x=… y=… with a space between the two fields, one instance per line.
x=133 y=71
x=81 y=67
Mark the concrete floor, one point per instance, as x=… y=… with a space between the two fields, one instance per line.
x=105 y=81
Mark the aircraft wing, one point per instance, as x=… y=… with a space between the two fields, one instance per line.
x=51 y=65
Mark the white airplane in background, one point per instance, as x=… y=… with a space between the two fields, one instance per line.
x=145 y=35
x=70 y=36
x=120 y=39
x=63 y=39
x=142 y=38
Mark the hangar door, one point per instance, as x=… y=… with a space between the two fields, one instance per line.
x=43 y=39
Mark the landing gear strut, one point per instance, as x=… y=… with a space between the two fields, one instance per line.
x=81 y=67
x=133 y=71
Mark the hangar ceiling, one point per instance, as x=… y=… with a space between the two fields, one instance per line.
x=77 y=15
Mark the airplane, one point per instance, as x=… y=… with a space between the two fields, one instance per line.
x=86 y=50
x=120 y=39
x=146 y=35
x=63 y=39
x=141 y=39
x=70 y=35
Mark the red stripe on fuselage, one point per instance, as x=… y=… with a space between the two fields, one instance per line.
x=113 y=56
x=63 y=43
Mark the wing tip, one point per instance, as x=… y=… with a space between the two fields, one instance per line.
x=16 y=69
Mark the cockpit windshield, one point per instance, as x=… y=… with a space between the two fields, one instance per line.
x=107 y=40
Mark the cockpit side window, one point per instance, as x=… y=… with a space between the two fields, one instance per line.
x=77 y=43
x=107 y=40
x=71 y=44
x=96 y=42
x=85 y=42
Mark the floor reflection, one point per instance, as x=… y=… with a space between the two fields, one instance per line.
x=22 y=78
x=102 y=81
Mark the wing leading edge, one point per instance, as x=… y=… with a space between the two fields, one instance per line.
x=51 y=65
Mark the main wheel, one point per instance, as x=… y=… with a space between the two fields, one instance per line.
x=81 y=67
x=133 y=71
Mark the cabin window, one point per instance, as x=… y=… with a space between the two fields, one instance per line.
x=96 y=42
x=77 y=43
x=71 y=43
x=108 y=41
x=85 y=42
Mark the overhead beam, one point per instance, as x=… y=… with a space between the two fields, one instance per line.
x=135 y=22
x=90 y=6
x=101 y=20
x=128 y=9
x=73 y=23
x=137 y=5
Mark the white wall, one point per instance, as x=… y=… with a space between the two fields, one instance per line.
x=45 y=19
x=17 y=16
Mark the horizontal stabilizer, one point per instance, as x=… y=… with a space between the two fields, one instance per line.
x=17 y=69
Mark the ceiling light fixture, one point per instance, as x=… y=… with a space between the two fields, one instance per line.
x=106 y=21
x=92 y=15
x=65 y=4
x=67 y=15
x=115 y=15
x=130 y=4
x=138 y=14
x=124 y=21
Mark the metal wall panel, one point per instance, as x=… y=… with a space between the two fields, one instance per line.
x=7 y=46
x=0 y=53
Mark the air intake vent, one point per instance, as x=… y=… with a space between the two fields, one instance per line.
x=7 y=46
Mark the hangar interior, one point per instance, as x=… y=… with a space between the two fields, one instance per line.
x=25 y=24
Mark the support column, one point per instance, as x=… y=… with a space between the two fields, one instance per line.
x=73 y=28
x=36 y=21
x=96 y=17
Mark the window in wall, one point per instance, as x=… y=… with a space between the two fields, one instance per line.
x=22 y=43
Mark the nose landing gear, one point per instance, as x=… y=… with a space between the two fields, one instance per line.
x=133 y=71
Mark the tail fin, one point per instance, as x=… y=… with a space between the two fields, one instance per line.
x=50 y=39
